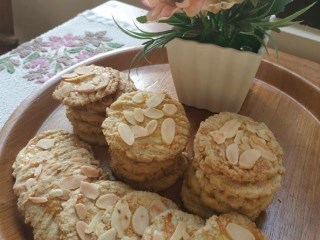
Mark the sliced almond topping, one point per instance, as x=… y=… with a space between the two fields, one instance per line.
x=252 y=128
x=138 y=115
x=65 y=194
x=45 y=143
x=238 y=137
x=138 y=98
x=104 y=81
x=265 y=151
x=121 y=217
x=89 y=171
x=37 y=171
x=155 y=100
x=107 y=200
x=157 y=207
x=108 y=235
x=90 y=190
x=55 y=193
x=153 y=113
x=64 y=90
x=151 y=127
x=30 y=183
x=126 y=134
x=169 y=109
x=230 y=128
x=249 y=158
x=263 y=133
x=139 y=131
x=129 y=116
x=94 y=222
x=218 y=136
x=157 y=235
x=69 y=75
x=168 y=130
x=185 y=236
x=237 y=232
x=38 y=199
x=72 y=182
x=84 y=70
x=86 y=88
x=178 y=233
x=80 y=228
x=81 y=210
x=140 y=220
x=232 y=153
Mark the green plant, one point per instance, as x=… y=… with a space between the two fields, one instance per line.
x=238 y=24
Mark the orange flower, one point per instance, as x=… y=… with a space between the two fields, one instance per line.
x=216 y=6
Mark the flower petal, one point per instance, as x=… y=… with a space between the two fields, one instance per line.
x=183 y=4
x=194 y=7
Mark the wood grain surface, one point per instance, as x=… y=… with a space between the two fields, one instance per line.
x=287 y=103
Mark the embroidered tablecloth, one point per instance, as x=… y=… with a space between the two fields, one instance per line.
x=33 y=63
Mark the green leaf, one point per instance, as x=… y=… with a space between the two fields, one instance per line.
x=10 y=68
x=32 y=57
x=75 y=50
x=254 y=2
x=115 y=45
x=142 y=19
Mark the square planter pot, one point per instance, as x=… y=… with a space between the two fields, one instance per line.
x=211 y=77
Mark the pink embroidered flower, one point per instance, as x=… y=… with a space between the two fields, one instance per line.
x=164 y=9
x=83 y=55
x=216 y=6
x=40 y=62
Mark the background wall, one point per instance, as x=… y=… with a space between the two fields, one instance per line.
x=34 y=17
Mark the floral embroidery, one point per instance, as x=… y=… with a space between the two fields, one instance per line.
x=43 y=59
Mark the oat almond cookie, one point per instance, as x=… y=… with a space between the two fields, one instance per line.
x=91 y=138
x=147 y=126
x=237 y=147
x=173 y=224
x=88 y=117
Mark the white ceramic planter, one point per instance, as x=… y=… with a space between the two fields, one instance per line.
x=211 y=77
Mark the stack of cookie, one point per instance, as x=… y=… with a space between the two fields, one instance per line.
x=237 y=167
x=146 y=133
x=86 y=93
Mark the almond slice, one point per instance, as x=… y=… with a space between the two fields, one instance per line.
x=86 y=88
x=94 y=222
x=237 y=232
x=81 y=210
x=55 y=193
x=107 y=200
x=138 y=115
x=155 y=100
x=249 y=158
x=263 y=133
x=38 y=199
x=265 y=151
x=69 y=75
x=108 y=235
x=151 y=127
x=157 y=207
x=103 y=84
x=218 y=136
x=30 y=183
x=64 y=90
x=45 y=143
x=84 y=70
x=126 y=134
x=65 y=194
x=80 y=228
x=238 y=137
x=121 y=217
x=139 y=131
x=169 y=109
x=140 y=220
x=185 y=236
x=153 y=113
x=232 y=153
x=178 y=233
x=230 y=128
x=72 y=182
x=90 y=190
x=129 y=116
x=168 y=130
x=252 y=128
x=138 y=98
x=89 y=171
x=38 y=171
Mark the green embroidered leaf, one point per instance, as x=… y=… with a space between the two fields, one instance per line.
x=75 y=50
x=10 y=68
x=142 y=19
x=31 y=57
x=89 y=49
x=3 y=60
x=115 y=45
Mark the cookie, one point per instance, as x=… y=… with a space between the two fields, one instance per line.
x=173 y=224
x=210 y=231
x=237 y=147
x=91 y=138
x=84 y=127
x=88 y=117
x=86 y=85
